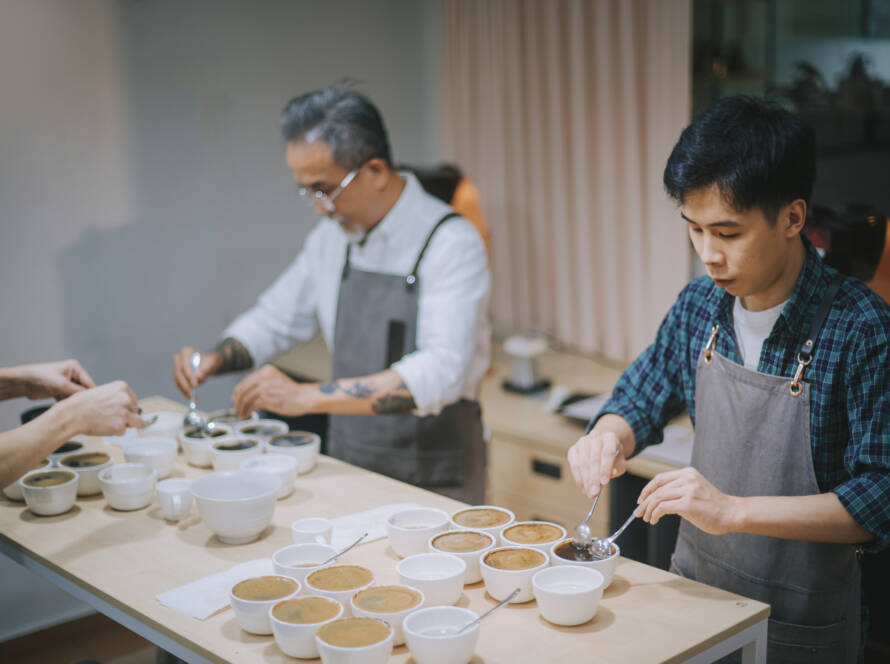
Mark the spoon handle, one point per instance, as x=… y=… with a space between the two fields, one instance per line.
x=494 y=608
x=623 y=526
x=341 y=552
x=592 y=507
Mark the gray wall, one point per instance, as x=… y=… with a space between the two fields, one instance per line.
x=144 y=200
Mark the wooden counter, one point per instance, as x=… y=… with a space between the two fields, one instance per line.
x=119 y=561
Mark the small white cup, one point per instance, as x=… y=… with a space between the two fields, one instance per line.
x=298 y=639
x=159 y=453
x=197 y=450
x=282 y=466
x=439 y=576
x=559 y=534
x=342 y=596
x=128 y=486
x=175 y=498
x=167 y=425
x=410 y=530
x=493 y=530
x=229 y=453
x=50 y=500
x=253 y=615
x=606 y=566
x=394 y=618
x=471 y=558
x=87 y=476
x=423 y=633
x=14 y=490
x=376 y=653
x=312 y=530
x=568 y=595
x=303 y=445
x=501 y=582
x=298 y=560
x=261 y=429
x=69 y=447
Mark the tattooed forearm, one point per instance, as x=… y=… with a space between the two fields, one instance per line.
x=398 y=400
x=234 y=356
x=357 y=389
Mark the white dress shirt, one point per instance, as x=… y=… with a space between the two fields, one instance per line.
x=453 y=327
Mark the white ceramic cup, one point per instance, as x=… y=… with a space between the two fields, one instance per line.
x=128 y=486
x=606 y=566
x=439 y=576
x=197 y=450
x=263 y=429
x=567 y=594
x=512 y=535
x=282 y=466
x=471 y=558
x=494 y=530
x=342 y=596
x=312 y=530
x=69 y=447
x=306 y=452
x=87 y=476
x=230 y=418
x=429 y=645
x=298 y=639
x=410 y=530
x=50 y=500
x=229 y=452
x=14 y=491
x=361 y=609
x=174 y=497
x=501 y=582
x=376 y=653
x=159 y=453
x=167 y=425
x=252 y=614
x=298 y=560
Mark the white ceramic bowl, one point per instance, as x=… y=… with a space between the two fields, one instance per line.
x=306 y=452
x=87 y=476
x=236 y=504
x=14 y=490
x=439 y=576
x=494 y=530
x=197 y=450
x=159 y=453
x=263 y=429
x=229 y=452
x=69 y=447
x=50 y=500
x=312 y=529
x=410 y=530
x=515 y=537
x=394 y=618
x=501 y=582
x=298 y=560
x=282 y=466
x=298 y=639
x=128 y=486
x=423 y=633
x=471 y=558
x=606 y=567
x=342 y=596
x=167 y=425
x=253 y=615
x=568 y=594
x=376 y=653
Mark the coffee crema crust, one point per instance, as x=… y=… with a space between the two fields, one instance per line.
x=515 y=559
x=86 y=460
x=340 y=577
x=265 y=588
x=462 y=542
x=481 y=517
x=49 y=478
x=532 y=533
x=306 y=610
x=354 y=632
x=386 y=599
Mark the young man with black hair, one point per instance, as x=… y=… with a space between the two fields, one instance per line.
x=398 y=285
x=784 y=368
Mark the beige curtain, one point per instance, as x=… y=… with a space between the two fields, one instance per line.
x=564 y=112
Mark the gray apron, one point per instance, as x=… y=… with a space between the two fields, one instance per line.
x=376 y=326
x=752 y=438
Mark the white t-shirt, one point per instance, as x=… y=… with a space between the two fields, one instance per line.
x=751 y=330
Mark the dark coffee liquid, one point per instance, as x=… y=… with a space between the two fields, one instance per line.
x=235 y=447
x=568 y=551
x=70 y=446
x=198 y=432
x=260 y=430
x=86 y=460
x=52 y=478
x=227 y=417
x=291 y=440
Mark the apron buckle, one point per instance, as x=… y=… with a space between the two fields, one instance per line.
x=709 y=347
x=802 y=362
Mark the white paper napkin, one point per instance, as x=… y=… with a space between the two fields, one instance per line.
x=204 y=597
x=349 y=528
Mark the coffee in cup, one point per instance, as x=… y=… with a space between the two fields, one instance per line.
x=532 y=533
x=49 y=478
x=265 y=588
x=261 y=430
x=387 y=599
x=462 y=542
x=225 y=417
x=354 y=632
x=514 y=559
x=70 y=446
x=568 y=551
x=306 y=610
x=85 y=460
x=236 y=445
x=201 y=432
x=340 y=577
x=480 y=517
x=292 y=439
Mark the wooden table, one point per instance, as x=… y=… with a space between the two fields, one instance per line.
x=118 y=561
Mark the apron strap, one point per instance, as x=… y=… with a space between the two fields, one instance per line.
x=411 y=279
x=805 y=354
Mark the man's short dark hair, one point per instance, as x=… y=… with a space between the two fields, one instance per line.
x=759 y=155
x=346 y=121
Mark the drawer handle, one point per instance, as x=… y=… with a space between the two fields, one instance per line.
x=544 y=468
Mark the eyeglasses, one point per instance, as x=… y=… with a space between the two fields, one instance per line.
x=326 y=200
